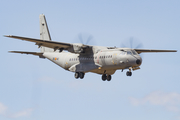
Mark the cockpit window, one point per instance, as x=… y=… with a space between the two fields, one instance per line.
x=122 y=53
x=134 y=52
x=129 y=53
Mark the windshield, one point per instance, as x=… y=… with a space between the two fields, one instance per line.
x=134 y=52
x=129 y=53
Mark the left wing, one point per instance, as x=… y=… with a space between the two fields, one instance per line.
x=151 y=50
x=39 y=42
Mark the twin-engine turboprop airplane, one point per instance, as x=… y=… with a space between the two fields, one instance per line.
x=82 y=59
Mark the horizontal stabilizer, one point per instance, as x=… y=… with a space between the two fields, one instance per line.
x=40 y=54
x=151 y=50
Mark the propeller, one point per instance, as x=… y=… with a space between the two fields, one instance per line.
x=132 y=43
x=85 y=38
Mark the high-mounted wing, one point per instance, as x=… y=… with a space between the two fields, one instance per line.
x=74 y=48
x=39 y=42
x=149 y=50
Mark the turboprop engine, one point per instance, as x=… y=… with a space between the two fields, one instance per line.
x=76 y=48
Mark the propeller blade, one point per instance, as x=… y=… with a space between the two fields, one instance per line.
x=80 y=38
x=139 y=46
x=89 y=38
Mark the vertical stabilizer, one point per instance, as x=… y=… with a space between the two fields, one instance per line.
x=44 y=33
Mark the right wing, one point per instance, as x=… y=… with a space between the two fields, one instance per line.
x=39 y=42
x=74 y=48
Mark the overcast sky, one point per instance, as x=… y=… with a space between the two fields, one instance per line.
x=37 y=89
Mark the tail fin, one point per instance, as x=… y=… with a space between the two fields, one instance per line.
x=44 y=33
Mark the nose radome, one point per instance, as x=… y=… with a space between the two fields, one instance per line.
x=138 y=61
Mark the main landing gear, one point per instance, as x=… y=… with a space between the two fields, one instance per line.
x=79 y=75
x=106 y=77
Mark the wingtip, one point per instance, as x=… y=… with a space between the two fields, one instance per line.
x=10 y=51
x=7 y=35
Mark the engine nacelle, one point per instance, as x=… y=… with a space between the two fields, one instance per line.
x=76 y=48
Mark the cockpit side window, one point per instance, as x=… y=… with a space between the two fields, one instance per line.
x=122 y=53
x=134 y=52
x=129 y=53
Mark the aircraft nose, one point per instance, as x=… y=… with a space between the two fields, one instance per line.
x=138 y=61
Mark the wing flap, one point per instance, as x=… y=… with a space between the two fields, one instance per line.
x=39 y=42
x=152 y=50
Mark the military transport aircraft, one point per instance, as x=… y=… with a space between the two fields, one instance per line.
x=82 y=58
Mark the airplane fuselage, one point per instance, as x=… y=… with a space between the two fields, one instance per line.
x=107 y=62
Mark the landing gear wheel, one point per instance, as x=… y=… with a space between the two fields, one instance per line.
x=76 y=75
x=129 y=73
x=104 y=77
x=108 y=77
x=81 y=75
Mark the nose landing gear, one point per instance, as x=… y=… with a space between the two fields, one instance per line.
x=129 y=73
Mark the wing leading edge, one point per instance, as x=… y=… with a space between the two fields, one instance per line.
x=39 y=42
x=151 y=50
